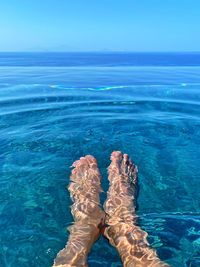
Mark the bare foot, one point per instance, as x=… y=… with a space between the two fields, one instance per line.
x=129 y=239
x=84 y=190
x=119 y=205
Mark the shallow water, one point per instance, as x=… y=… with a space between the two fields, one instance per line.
x=50 y=116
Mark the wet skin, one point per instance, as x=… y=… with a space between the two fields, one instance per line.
x=117 y=223
x=84 y=190
x=122 y=232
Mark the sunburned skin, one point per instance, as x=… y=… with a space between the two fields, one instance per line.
x=129 y=239
x=84 y=190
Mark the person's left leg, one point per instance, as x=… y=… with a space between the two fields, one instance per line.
x=84 y=190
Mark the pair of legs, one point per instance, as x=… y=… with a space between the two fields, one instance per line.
x=117 y=223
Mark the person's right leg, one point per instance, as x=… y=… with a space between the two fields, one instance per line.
x=129 y=239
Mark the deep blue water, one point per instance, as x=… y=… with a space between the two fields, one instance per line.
x=102 y=59
x=57 y=107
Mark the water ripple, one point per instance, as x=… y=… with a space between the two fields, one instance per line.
x=45 y=127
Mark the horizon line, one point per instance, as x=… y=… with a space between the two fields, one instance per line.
x=101 y=51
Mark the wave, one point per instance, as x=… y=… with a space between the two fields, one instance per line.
x=10 y=86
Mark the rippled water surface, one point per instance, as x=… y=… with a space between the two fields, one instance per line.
x=51 y=115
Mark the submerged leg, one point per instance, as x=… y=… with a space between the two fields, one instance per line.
x=84 y=191
x=121 y=231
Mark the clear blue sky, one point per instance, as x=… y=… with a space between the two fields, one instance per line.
x=98 y=25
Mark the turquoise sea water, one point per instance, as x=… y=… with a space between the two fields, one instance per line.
x=53 y=113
